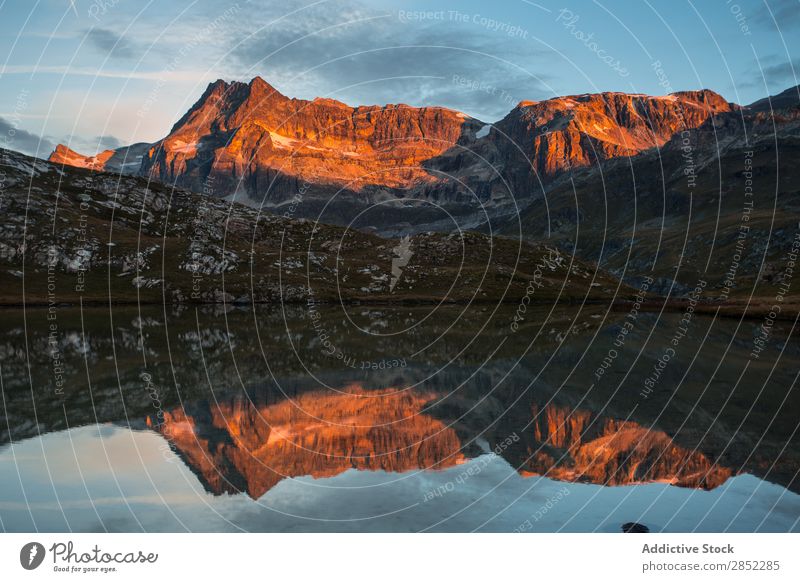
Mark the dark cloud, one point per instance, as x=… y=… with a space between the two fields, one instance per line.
x=782 y=73
x=108 y=142
x=109 y=42
x=362 y=56
x=777 y=74
x=13 y=138
x=92 y=145
x=785 y=12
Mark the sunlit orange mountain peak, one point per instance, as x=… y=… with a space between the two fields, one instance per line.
x=238 y=446
x=247 y=134
x=576 y=445
x=64 y=155
x=127 y=159
x=250 y=140
x=577 y=130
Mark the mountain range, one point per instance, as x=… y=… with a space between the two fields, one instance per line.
x=265 y=148
x=638 y=185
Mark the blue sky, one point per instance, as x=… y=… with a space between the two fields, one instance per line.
x=103 y=73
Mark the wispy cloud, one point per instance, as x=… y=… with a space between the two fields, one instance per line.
x=92 y=145
x=362 y=55
x=776 y=73
x=185 y=75
x=110 y=43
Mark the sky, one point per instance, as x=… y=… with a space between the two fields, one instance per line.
x=98 y=74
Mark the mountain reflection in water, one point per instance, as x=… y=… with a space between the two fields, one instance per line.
x=247 y=413
x=238 y=446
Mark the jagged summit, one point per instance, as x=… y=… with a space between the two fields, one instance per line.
x=573 y=131
x=247 y=135
x=64 y=155
x=253 y=139
x=126 y=160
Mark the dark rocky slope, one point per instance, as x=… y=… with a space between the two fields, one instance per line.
x=72 y=234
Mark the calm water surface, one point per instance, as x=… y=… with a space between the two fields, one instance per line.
x=395 y=419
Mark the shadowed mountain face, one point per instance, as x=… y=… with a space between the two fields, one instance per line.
x=786 y=99
x=717 y=203
x=72 y=233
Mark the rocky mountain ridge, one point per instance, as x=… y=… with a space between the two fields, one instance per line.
x=395 y=167
x=716 y=203
x=652 y=181
x=124 y=160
